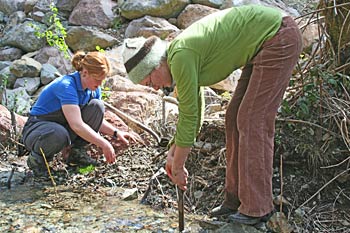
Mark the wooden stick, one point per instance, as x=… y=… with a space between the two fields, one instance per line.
x=180 y=207
x=129 y=119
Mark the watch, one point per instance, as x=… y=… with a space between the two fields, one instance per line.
x=115 y=134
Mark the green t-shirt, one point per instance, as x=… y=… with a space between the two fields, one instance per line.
x=208 y=51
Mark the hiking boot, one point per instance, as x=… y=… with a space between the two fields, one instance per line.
x=79 y=156
x=221 y=211
x=248 y=220
x=37 y=166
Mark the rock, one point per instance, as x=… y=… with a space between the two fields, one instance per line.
x=211 y=3
x=192 y=13
x=87 y=38
x=30 y=84
x=26 y=67
x=10 y=54
x=53 y=56
x=7 y=77
x=132 y=9
x=93 y=13
x=130 y=194
x=9 y=6
x=48 y=73
x=236 y=228
x=5 y=123
x=23 y=36
x=148 y=26
x=17 y=100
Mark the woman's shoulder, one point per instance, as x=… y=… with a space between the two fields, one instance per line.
x=69 y=79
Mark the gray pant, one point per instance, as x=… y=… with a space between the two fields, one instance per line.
x=52 y=133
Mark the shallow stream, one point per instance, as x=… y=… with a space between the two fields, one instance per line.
x=27 y=205
x=33 y=208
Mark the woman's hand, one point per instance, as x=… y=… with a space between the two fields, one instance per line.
x=124 y=136
x=108 y=152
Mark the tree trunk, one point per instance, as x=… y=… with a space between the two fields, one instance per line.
x=337 y=22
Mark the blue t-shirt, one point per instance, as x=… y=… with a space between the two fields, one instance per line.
x=63 y=90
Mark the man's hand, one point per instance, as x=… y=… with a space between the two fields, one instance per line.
x=175 y=165
x=169 y=161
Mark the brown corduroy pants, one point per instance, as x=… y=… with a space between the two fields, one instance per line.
x=250 y=122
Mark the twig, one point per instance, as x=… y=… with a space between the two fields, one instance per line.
x=150 y=183
x=334 y=178
x=308 y=123
x=10 y=178
x=322 y=9
x=48 y=170
x=338 y=164
x=281 y=178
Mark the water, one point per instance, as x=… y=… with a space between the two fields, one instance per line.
x=30 y=208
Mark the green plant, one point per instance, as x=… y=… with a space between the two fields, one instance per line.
x=117 y=23
x=226 y=96
x=105 y=91
x=86 y=170
x=55 y=35
x=98 y=48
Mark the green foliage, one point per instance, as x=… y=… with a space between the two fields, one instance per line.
x=86 y=170
x=226 y=96
x=55 y=35
x=105 y=91
x=312 y=101
x=4 y=81
x=9 y=101
x=318 y=85
x=98 y=48
x=117 y=23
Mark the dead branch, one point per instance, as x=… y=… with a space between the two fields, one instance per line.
x=329 y=182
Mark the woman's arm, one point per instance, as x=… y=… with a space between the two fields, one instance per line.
x=76 y=123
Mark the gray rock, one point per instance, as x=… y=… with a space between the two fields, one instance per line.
x=211 y=3
x=17 y=100
x=10 y=54
x=236 y=228
x=65 y=7
x=10 y=6
x=7 y=77
x=93 y=13
x=130 y=194
x=48 y=73
x=26 y=67
x=23 y=37
x=132 y=9
x=4 y=64
x=148 y=26
x=53 y=56
x=30 y=84
x=87 y=38
x=29 y=5
x=15 y=19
